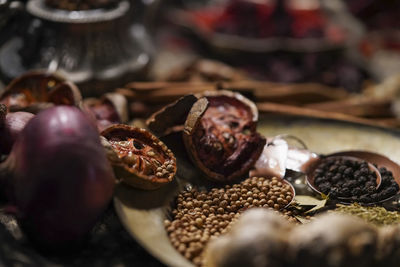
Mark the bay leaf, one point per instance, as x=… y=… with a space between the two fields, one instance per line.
x=317 y=204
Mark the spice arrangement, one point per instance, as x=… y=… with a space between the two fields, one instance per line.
x=219 y=142
x=211 y=179
x=201 y=215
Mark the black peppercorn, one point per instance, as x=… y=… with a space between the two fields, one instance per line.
x=348 y=171
x=356 y=191
x=335 y=179
x=342 y=168
x=362 y=180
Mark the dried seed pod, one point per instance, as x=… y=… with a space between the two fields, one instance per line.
x=334 y=240
x=37 y=90
x=111 y=109
x=171 y=117
x=258 y=239
x=220 y=135
x=142 y=161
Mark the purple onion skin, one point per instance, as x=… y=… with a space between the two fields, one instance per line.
x=13 y=124
x=62 y=180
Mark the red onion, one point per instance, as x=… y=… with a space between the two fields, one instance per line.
x=61 y=179
x=14 y=123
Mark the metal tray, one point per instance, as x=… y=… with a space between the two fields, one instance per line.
x=143 y=213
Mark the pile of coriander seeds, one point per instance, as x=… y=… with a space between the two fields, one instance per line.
x=199 y=216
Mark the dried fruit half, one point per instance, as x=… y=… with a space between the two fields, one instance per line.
x=172 y=117
x=220 y=135
x=111 y=108
x=38 y=90
x=139 y=158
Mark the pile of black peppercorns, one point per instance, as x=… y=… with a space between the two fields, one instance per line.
x=389 y=186
x=353 y=180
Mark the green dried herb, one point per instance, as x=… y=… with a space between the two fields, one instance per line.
x=373 y=214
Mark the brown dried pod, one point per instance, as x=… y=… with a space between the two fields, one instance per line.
x=220 y=135
x=138 y=157
x=111 y=108
x=38 y=90
x=172 y=117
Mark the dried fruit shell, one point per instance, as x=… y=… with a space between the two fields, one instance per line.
x=120 y=104
x=171 y=117
x=220 y=135
x=111 y=108
x=139 y=158
x=38 y=90
x=65 y=93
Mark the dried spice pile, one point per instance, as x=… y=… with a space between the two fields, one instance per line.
x=346 y=178
x=199 y=216
x=373 y=214
x=80 y=5
x=389 y=186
